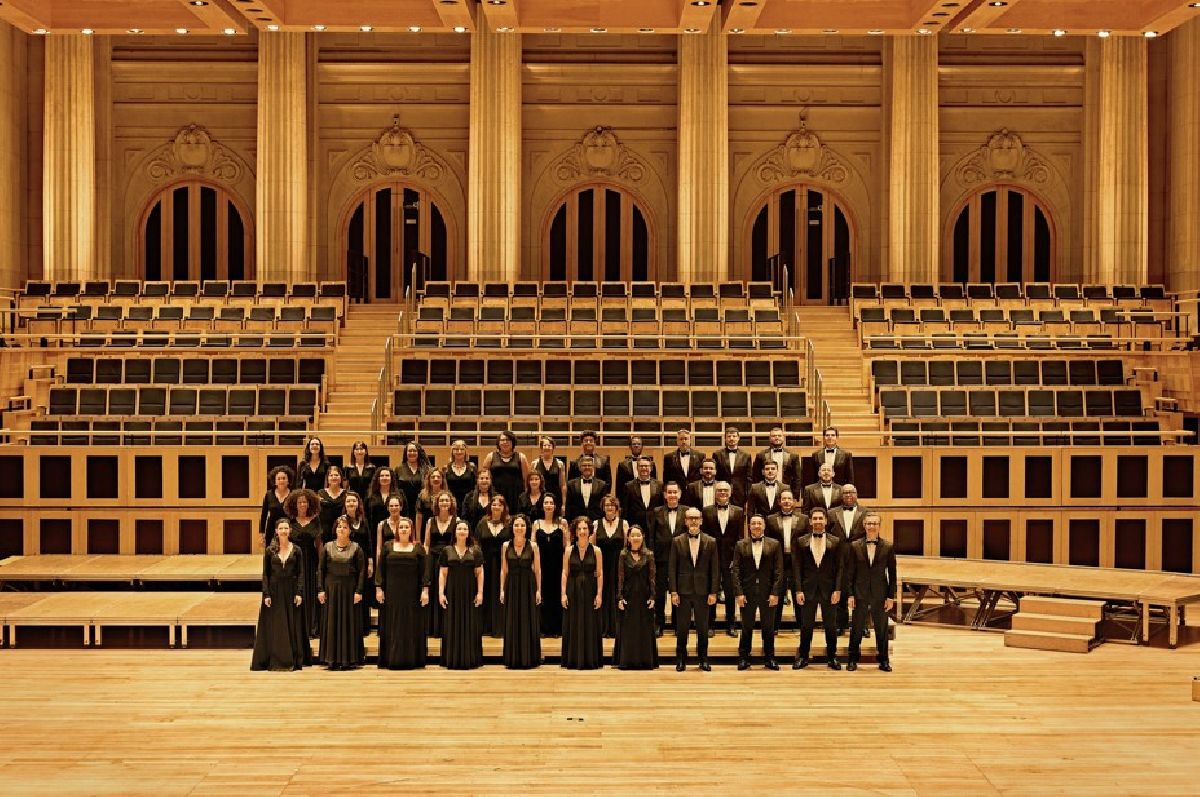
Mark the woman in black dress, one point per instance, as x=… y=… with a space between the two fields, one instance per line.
x=520 y=595
x=387 y=528
x=508 y=467
x=310 y=471
x=460 y=473
x=478 y=501
x=341 y=574
x=302 y=507
x=493 y=532
x=402 y=589
x=530 y=502
x=439 y=532
x=551 y=469
x=359 y=472
x=609 y=535
x=435 y=483
x=363 y=537
x=409 y=477
x=333 y=501
x=460 y=593
x=279 y=482
x=636 y=646
x=383 y=487
x=281 y=641
x=582 y=587
x=549 y=534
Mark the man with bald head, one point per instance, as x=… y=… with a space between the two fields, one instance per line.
x=693 y=577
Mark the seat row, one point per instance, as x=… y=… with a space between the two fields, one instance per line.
x=1011 y=341
x=269 y=431
x=614 y=433
x=1041 y=402
x=195 y=371
x=183 y=339
x=239 y=401
x=671 y=402
x=604 y=294
x=1142 y=323
x=1032 y=294
x=697 y=372
x=1026 y=433
x=37 y=292
x=965 y=373
x=49 y=319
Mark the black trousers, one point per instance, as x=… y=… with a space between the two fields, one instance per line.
x=808 y=621
x=879 y=619
x=789 y=585
x=660 y=587
x=691 y=608
x=730 y=598
x=767 y=614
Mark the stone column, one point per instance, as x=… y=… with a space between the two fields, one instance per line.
x=703 y=192
x=12 y=171
x=1116 y=162
x=1183 y=180
x=913 y=184
x=494 y=158
x=69 y=159
x=281 y=240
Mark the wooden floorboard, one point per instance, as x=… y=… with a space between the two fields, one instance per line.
x=961 y=714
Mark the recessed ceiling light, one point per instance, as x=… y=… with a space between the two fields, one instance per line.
x=135 y=31
x=782 y=31
x=997 y=3
x=272 y=28
x=645 y=30
x=1151 y=34
x=41 y=31
x=367 y=28
x=1193 y=5
x=923 y=31
x=230 y=31
x=1013 y=30
x=875 y=32
x=87 y=31
x=414 y=28
x=459 y=29
x=199 y=2
x=318 y=28
x=504 y=29
x=1103 y=34
x=496 y=2
x=599 y=30
x=737 y=30
x=701 y=3
x=968 y=30
x=1059 y=32
x=181 y=31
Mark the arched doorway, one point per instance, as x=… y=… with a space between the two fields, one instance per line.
x=598 y=233
x=195 y=231
x=1000 y=234
x=809 y=230
x=390 y=228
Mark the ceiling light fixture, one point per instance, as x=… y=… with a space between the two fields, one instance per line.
x=701 y=3
x=830 y=31
x=365 y=28
x=87 y=31
x=231 y=31
x=272 y=28
x=1013 y=30
x=135 y=31
x=737 y=30
x=181 y=31
x=645 y=30
x=41 y=31
x=1151 y=34
x=997 y=3
x=1059 y=32
x=782 y=31
x=1103 y=34
x=968 y=30
x=318 y=28
x=599 y=30
x=553 y=30
x=459 y=29
x=875 y=32
x=199 y=3
x=923 y=31
x=504 y=29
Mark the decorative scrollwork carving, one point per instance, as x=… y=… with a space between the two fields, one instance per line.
x=1003 y=157
x=194 y=153
x=599 y=153
x=801 y=154
x=396 y=152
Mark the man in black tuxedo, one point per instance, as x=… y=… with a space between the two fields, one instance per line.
x=758 y=583
x=824 y=493
x=693 y=578
x=584 y=494
x=846 y=523
x=871 y=582
x=726 y=524
x=642 y=495
x=830 y=453
x=733 y=466
x=666 y=523
x=601 y=467
x=682 y=465
x=786 y=527
x=627 y=468
x=764 y=496
x=818 y=562
x=787 y=462
x=703 y=491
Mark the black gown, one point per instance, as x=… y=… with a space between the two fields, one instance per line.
x=636 y=647
x=550 y=550
x=532 y=507
x=281 y=641
x=308 y=478
x=272 y=512
x=341 y=574
x=401 y=575
x=506 y=478
x=437 y=541
x=308 y=539
x=581 y=643
x=359 y=482
x=472 y=511
x=408 y=482
x=522 y=642
x=552 y=477
x=610 y=546
x=376 y=507
x=462 y=642
x=331 y=509
x=491 y=542
x=361 y=534
x=460 y=486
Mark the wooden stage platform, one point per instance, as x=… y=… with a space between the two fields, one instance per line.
x=135 y=570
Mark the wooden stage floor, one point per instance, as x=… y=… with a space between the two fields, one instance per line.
x=961 y=714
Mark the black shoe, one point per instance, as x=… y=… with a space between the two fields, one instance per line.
x=852 y=666
x=833 y=664
x=730 y=632
x=658 y=632
x=883 y=665
x=867 y=633
x=800 y=663
x=680 y=666
x=704 y=666
x=771 y=665
x=712 y=632
x=743 y=664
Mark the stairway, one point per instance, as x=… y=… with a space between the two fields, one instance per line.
x=355 y=367
x=1055 y=624
x=844 y=372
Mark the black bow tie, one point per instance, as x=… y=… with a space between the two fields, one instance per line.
x=825 y=486
x=756 y=540
x=587 y=481
x=831 y=451
x=707 y=484
x=818 y=536
x=769 y=484
x=731 y=451
x=872 y=542
x=776 y=450
x=644 y=483
x=722 y=508
x=694 y=536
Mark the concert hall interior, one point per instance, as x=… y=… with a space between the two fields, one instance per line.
x=410 y=345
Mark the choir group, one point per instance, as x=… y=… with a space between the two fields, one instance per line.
x=525 y=550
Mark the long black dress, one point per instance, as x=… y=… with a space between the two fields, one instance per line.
x=361 y=534
x=550 y=550
x=438 y=539
x=281 y=642
x=462 y=641
x=506 y=477
x=610 y=542
x=460 y=484
x=522 y=642
x=272 y=512
x=552 y=477
x=332 y=508
x=308 y=478
x=408 y=482
x=341 y=574
x=401 y=575
x=636 y=647
x=491 y=541
x=581 y=643
x=359 y=482
x=307 y=538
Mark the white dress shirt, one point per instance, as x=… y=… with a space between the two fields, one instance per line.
x=757 y=547
x=694 y=544
x=732 y=457
x=786 y=522
x=770 y=490
x=818 y=548
x=708 y=494
x=585 y=489
x=827 y=492
x=645 y=489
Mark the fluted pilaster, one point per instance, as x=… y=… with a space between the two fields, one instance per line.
x=494 y=159
x=703 y=194
x=1116 y=182
x=282 y=238
x=12 y=132
x=69 y=159
x=1183 y=197
x=913 y=200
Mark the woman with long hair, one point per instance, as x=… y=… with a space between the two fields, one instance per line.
x=310 y=470
x=529 y=503
x=341 y=575
x=520 y=595
x=636 y=647
x=460 y=473
x=383 y=487
x=479 y=501
x=508 y=467
x=279 y=487
x=364 y=538
x=435 y=483
x=281 y=638
x=609 y=535
x=402 y=590
x=549 y=534
x=333 y=501
x=409 y=477
x=302 y=507
x=439 y=532
x=359 y=471
x=493 y=531
x=582 y=591
x=551 y=469
x=460 y=594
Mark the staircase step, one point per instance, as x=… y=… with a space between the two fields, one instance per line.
x=1044 y=640
x=1056 y=624
x=1062 y=607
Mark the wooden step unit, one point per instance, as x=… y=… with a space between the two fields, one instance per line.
x=1043 y=623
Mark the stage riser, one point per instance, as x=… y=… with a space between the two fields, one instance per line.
x=1062 y=607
